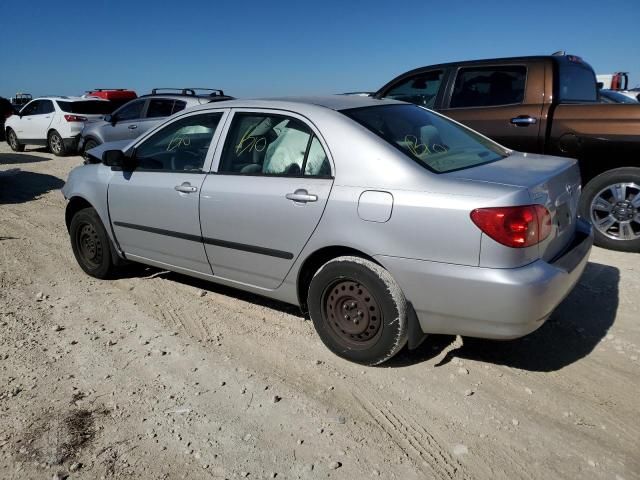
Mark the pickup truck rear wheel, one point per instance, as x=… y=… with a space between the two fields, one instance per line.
x=90 y=244
x=12 y=140
x=611 y=202
x=358 y=310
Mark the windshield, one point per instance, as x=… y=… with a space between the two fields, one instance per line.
x=432 y=140
x=87 y=107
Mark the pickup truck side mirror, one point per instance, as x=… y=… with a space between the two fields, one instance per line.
x=118 y=160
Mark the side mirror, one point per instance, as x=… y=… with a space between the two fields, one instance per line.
x=108 y=118
x=118 y=160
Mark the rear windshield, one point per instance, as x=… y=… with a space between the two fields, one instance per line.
x=433 y=141
x=87 y=107
x=576 y=82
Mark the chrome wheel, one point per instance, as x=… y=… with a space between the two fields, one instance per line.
x=615 y=211
x=55 y=142
x=13 y=140
x=352 y=313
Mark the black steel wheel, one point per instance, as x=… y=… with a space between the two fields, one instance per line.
x=358 y=310
x=90 y=243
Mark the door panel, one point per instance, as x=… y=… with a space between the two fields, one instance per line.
x=155 y=209
x=503 y=102
x=252 y=232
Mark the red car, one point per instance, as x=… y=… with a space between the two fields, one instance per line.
x=117 y=96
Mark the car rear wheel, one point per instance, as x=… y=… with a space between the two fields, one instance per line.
x=12 y=140
x=90 y=244
x=611 y=202
x=358 y=310
x=56 y=144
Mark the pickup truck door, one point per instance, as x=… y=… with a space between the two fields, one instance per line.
x=502 y=101
x=154 y=209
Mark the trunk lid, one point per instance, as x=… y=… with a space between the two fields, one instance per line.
x=550 y=181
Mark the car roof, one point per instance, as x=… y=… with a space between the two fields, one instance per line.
x=332 y=102
x=71 y=99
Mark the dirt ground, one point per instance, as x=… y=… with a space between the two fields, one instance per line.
x=159 y=376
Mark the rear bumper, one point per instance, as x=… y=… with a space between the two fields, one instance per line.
x=490 y=302
x=71 y=144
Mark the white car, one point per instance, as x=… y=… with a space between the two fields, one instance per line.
x=55 y=122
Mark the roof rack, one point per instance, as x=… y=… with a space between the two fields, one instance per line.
x=189 y=91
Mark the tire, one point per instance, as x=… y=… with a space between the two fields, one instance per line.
x=89 y=144
x=372 y=325
x=90 y=244
x=611 y=202
x=14 y=143
x=56 y=144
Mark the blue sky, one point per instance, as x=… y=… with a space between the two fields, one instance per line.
x=283 y=47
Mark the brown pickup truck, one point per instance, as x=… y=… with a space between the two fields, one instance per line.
x=546 y=104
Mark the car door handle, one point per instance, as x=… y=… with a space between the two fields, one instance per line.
x=523 y=121
x=133 y=127
x=186 y=187
x=302 y=195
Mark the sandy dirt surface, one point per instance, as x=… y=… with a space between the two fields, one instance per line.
x=159 y=376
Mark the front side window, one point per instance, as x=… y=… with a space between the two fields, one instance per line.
x=420 y=89
x=489 y=86
x=181 y=146
x=160 y=107
x=272 y=145
x=433 y=141
x=30 y=108
x=130 y=111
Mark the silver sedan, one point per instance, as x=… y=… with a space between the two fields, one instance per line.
x=383 y=220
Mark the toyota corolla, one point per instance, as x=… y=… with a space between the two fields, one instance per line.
x=383 y=220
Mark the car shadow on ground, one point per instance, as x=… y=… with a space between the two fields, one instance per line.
x=21 y=187
x=142 y=271
x=573 y=331
x=16 y=158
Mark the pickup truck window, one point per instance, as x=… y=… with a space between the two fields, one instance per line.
x=432 y=140
x=420 y=89
x=576 y=83
x=489 y=86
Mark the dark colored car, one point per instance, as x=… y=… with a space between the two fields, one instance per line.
x=545 y=104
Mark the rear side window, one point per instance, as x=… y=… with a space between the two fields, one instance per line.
x=88 y=107
x=431 y=140
x=160 y=107
x=46 y=106
x=489 y=86
x=178 y=106
x=263 y=144
x=420 y=89
x=576 y=82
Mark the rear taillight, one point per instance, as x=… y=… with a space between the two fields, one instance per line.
x=515 y=227
x=75 y=118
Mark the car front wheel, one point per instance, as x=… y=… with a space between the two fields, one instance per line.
x=358 y=310
x=90 y=244
x=611 y=202
x=12 y=140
